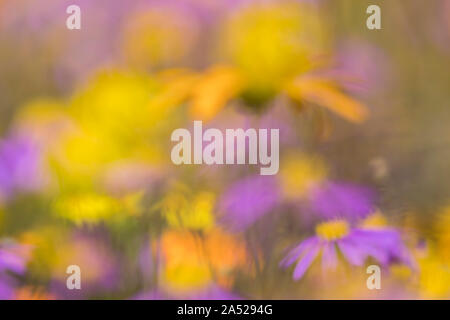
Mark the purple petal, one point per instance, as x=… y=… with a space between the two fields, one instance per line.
x=388 y=241
x=12 y=262
x=383 y=245
x=372 y=248
x=351 y=251
x=248 y=200
x=329 y=257
x=306 y=261
x=295 y=253
x=334 y=200
x=19 y=165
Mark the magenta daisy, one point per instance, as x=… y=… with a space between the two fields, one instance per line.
x=19 y=166
x=355 y=244
x=13 y=260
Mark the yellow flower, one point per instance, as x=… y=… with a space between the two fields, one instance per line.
x=189 y=211
x=434 y=279
x=82 y=155
x=272 y=42
x=159 y=36
x=117 y=105
x=118 y=116
x=87 y=208
x=269 y=50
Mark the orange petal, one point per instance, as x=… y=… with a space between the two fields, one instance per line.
x=177 y=87
x=215 y=88
x=324 y=94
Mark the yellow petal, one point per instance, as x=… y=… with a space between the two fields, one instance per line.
x=324 y=94
x=215 y=88
x=177 y=87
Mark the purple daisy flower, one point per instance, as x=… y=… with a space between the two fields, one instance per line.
x=335 y=200
x=248 y=200
x=13 y=259
x=356 y=245
x=19 y=166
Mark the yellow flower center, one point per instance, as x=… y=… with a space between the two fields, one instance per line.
x=332 y=230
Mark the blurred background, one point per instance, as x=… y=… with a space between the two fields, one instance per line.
x=86 y=177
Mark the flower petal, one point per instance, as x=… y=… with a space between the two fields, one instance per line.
x=296 y=252
x=306 y=261
x=351 y=251
x=329 y=257
x=216 y=87
x=387 y=241
x=321 y=92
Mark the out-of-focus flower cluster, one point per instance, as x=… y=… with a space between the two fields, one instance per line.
x=86 y=177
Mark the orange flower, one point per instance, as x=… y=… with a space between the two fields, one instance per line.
x=194 y=260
